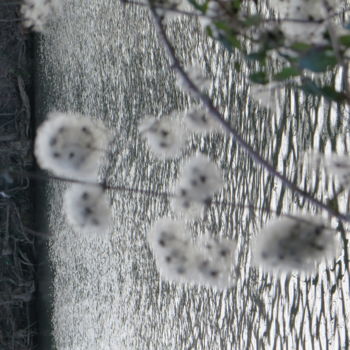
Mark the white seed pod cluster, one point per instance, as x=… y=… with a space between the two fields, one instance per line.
x=165 y=137
x=313 y=12
x=179 y=260
x=71 y=145
x=199 y=180
x=184 y=205
x=196 y=75
x=290 y=244
x=171 y=249
x=87 y=208
x=198 y=120
x=219 y=249
x=36 y=13
x=216 y=261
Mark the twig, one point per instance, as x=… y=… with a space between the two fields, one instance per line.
x=167 y=9
x=174 y=62
x=10 y=20
x=121 y=188
x=199 y=14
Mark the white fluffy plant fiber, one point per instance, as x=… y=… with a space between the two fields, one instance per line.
x=36 y=13
x=165 y=137
x=182 y=261
x=199 y=180
x=203 y=177
x=290 y=244
x=71 y=145
x=313 y=12
x=171 y=250
x=198 y=120
x=87 y=208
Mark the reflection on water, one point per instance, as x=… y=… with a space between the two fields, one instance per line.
x=103 y=59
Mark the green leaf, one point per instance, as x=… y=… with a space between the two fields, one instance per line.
x=300 y=47
x=331 y=94
x=257 y=56
x=310 y=87
x=222 y=25
x=201 y=7
x=326 y=91
x=345 y=40
x=237 y=66
x=235 y=5
x=229 y=42
x=317 y=60
x=252 y=20
x=286 y=73
x=227 y=36
x=259 y=78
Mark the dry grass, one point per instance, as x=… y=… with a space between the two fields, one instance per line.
x=17 y=244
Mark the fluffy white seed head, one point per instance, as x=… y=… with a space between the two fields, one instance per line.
x=87 y=208
x=221 y=249
x=294 y=244
x=184 y=205
x=180 y=260
x=36 y=13
x=171 y=249
x=71 y=145
x=296 y=7
x=167 y=232
x=210 y=272
x=199 y=120
x=199 y=180
x=165 y=137
x=215 y=261
x=202 y=176
x=314 y=13
x=313 y=33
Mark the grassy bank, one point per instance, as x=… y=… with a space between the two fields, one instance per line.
x=19 y=219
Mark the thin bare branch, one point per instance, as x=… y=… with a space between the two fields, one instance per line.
x=175 y=64
x=165 y=8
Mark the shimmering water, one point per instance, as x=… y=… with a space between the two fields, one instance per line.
x=103 y=59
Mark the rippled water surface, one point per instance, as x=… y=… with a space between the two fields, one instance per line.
x=103 y=59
